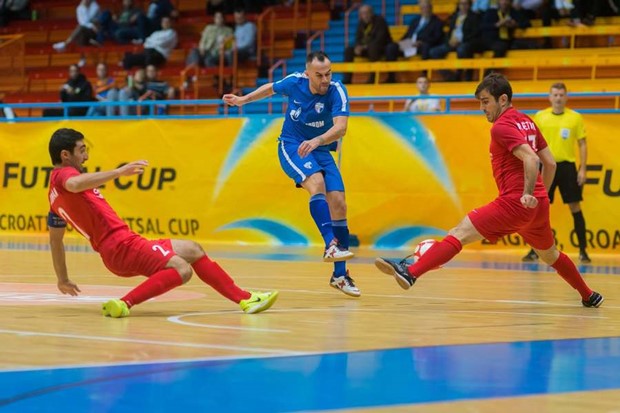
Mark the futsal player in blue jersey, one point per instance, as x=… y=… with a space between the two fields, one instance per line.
x=317 y=115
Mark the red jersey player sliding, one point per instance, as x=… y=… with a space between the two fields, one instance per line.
x=517 y=148
x=167 y=263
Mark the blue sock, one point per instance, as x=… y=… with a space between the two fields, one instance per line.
x=319 y=209
x=341 y=231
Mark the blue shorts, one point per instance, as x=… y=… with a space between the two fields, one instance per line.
x=298 y=169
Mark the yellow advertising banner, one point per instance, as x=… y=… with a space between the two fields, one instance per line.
x=219 y=180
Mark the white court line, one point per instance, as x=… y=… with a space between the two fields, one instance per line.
x=150 y=342
x=391 y=310
x=520 y=313
x=426 y=297
x=177 y=320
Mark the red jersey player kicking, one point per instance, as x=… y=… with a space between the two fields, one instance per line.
x=517 y=148
x=167 y=263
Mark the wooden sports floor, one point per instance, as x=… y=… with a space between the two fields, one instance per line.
x=486 y=333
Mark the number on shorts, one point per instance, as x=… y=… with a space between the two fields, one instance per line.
x=161 y=249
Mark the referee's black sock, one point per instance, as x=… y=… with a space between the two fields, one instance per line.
x=580 y=229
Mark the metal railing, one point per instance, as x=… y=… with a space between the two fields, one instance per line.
x=359 y=106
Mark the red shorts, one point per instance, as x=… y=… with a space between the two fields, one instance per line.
x=128 y=254
x=506 y=216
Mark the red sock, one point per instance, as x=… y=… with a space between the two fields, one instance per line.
x=155 y=285
x=437 y=255
x=211 y=273
x=567 y=270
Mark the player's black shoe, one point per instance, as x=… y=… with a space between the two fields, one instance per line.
x=583 y=257
x=397 y=269
x=595 y=300
x=530 y=256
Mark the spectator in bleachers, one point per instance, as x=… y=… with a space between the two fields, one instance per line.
x=421 y=103
x=85 y=33
x=129 y=25
x=464 y=29
x=213 y=36
x=245 y=36
x=161 y=90
x=105 y=91
x=498 y=26
x=371 y=39
x=134 y=92
x=157 y=47
x=580 y=12
x=155 y=13
x=158 y=89
x=13 y=10
x=424 y=32
x=77 y=89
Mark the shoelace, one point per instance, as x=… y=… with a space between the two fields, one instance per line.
x=404 y=260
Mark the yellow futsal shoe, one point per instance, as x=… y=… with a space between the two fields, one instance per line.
x=258 y=302
x=115 y=309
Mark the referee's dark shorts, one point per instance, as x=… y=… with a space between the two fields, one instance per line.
x=566 y=179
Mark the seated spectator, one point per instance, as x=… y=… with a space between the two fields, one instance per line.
x=157 y=47
x=158 y=89
x=87 y=13
x=464 y=29
x=498 y=26
x=161 y=90
x=371 y=39
x=213 y=36
x=421 y=103
x=156 y=11
x=134 y=92
x=77 y=89
x=245 y=36
x=129 y=25
x=424 y=32
x=105 y=91
x=13 y=10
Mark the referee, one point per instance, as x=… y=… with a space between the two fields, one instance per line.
x=564 y=130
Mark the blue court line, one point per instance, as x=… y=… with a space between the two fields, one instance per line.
x=323 y=382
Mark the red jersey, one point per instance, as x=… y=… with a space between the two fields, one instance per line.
x=510 y=130
x=86 y=211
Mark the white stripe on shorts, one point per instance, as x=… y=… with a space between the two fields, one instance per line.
x=290 y=162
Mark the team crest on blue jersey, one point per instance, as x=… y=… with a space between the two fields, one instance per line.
x=319 y=107
x=295 y=114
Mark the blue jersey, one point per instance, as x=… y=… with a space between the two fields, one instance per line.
x=309 y=115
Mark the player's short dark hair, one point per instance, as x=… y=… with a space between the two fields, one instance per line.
x=496 y=84
x=320 y=56
x=64 y=139
x=559 y=85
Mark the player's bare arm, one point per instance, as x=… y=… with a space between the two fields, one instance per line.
x=331 y=135
x=92 y=180
x=583 y=158
x=57 y=247
x=262 y=92
x=530 y=170
x=548 y=166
